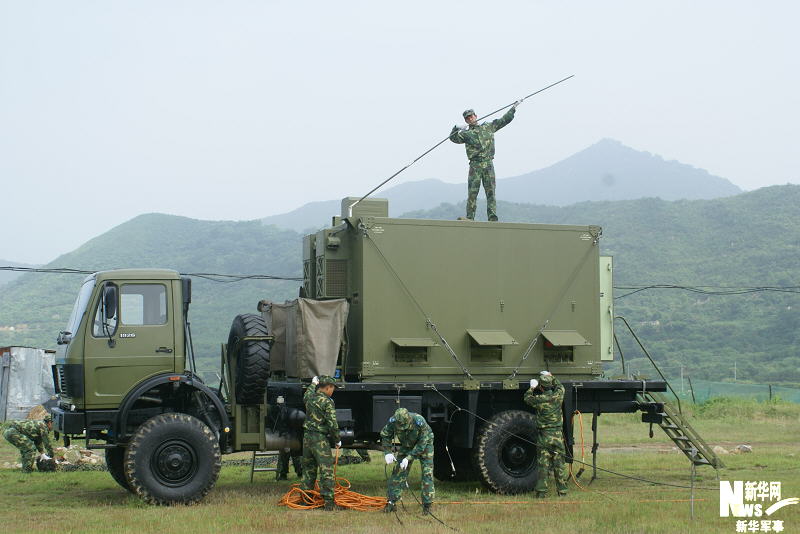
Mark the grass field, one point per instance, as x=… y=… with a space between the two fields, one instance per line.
x=89 y=502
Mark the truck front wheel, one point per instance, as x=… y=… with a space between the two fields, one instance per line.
x=505 y=454
x=115 y=462
x=173 y=458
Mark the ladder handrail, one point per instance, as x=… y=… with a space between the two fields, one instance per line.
x=657 y=368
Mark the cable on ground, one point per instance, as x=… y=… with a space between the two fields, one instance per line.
x=299 y=499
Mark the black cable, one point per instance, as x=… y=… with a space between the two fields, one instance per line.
x=710 y=290
x=631 y=477
x=214 y=277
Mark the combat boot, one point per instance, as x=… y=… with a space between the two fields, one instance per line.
x=426 y=508
x=562 y=493
x=331 y=506
x=280 y=477
x=541 y=494
x=389 y=507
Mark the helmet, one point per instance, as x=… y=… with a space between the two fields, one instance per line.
x=402 y=417
x=546 y=381
x=468 y=112
x=326 y=380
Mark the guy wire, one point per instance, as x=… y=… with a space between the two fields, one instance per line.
x=431 y=149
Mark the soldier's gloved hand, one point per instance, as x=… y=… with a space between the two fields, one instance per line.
x=404 y=463
x=315 y=381
x=534 y=383
x=389 y=458
x=464 y=127
x=546 y=373
x=44 y=456
x=338 y=444
x=517 y=103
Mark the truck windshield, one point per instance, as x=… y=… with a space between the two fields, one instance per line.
x=80 y=304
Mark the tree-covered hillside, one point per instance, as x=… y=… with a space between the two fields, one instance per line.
x=38 y=305
x=746 y=240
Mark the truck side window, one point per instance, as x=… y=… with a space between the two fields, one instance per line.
x=143 y=304
x=103 y=326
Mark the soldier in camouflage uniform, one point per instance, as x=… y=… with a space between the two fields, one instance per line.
x=416 y=443
x=320 y=433
x=29 y=437
x=282 y=469
x=479 y=141
x=546 y=396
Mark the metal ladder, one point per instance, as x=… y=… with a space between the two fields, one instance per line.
x=262 y=454
x=680 y=431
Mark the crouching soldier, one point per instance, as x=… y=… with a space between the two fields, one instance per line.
x=416 y=443
x=546 y=396
x=320 y=433
x=30 y=437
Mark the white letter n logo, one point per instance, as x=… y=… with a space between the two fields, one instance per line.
x=731 y=499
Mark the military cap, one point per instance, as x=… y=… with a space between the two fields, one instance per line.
x=48 y=418
x=546 y=381
x=402 y=417
x=468 y=112
x=326 y=380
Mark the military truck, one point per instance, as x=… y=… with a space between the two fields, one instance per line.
x=450 y=319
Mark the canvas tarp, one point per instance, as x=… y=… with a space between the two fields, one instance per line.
x=308 y=335
x=26 y=380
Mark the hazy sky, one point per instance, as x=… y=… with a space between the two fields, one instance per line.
x=242 y=109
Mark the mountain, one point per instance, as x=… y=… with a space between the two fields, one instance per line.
x=607 y=170
x=7 y=276
x=750 y=239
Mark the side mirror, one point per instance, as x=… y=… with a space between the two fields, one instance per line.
x=110 y=301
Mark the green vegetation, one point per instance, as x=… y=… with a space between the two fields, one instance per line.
x=90 y=501
x=747 y=240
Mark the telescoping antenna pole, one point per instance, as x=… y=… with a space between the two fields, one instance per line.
x=431 y=149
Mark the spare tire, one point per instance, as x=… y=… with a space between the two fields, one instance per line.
x=249 y=360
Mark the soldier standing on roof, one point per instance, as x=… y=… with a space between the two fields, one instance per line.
x=546 y=396
x=479 y=141
x=416 y=442
x=320 y=433
x=28 y=437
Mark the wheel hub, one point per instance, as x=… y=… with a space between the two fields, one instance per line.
x=517 y=457
x=174 y=463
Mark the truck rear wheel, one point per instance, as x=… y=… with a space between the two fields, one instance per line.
x=252 y=358
x=115 y=462
x=173 y=458
x=505 y=454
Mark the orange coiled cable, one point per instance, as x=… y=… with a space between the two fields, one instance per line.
x=299 y=499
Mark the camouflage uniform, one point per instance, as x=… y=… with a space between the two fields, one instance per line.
x=550 y=445
x=416 y=442
x=320 y=432
x=479 y=141
x=29 y=437
x=282 y=469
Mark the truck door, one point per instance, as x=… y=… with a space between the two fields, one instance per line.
x=135 y=342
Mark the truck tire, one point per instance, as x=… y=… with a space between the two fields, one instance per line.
x=115 y=462
x=505 y=455
x=173 y=458
x=252 y=358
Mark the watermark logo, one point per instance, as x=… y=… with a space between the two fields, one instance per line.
x=751 y=499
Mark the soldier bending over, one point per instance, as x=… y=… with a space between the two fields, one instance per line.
x=29 y=437
x=416 y=442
